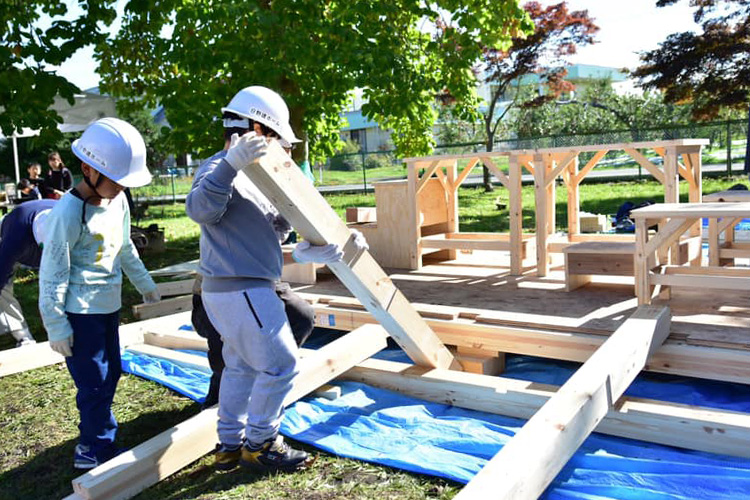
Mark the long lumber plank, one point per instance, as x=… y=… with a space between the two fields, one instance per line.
x=277 y=176
x=529 y=462
x=28 y=357
x=148 y=463
x=674 y=357
x=692 y=427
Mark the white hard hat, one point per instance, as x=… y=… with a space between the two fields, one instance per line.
x=265 y=106
x=115 y=149
x=39 y=225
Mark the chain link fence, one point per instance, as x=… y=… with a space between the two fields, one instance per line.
x=357 y=171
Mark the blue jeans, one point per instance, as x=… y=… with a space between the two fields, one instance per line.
x=95 y=367
x=261 y=361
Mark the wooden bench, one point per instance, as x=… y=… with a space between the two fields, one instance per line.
x=582 y=260
x=612 y=258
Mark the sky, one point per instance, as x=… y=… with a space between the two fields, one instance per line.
x=626 y=28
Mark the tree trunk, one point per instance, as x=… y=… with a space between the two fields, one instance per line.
x=486 y=176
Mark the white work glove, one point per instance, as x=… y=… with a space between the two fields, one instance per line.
x=359 y=241
x=245 y=150
x=320 y=254
x=64 y=346
x=326 y=254
x=152 y=297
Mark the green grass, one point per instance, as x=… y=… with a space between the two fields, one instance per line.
x=38 y=419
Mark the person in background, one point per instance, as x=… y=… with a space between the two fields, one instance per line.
x=87 y=246
x=59 y=179
x=26 y=191
x=35 y=176
x=21 y=239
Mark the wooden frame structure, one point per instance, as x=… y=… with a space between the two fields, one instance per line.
x=681 y=158
x=445 y=193
x=674 y=220
x=420 y=215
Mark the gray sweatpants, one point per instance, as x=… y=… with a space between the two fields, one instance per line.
x=261 y=361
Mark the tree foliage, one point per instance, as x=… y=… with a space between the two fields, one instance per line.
x=596 y=109
x=709 y=69
x=27 y=89
x=314 y=53
x=557 y=34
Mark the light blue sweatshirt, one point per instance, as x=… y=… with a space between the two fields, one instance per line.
x=82 y=264
x=241 y=230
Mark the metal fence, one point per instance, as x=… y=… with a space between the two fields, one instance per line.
x=357 y=171
x=727 y=148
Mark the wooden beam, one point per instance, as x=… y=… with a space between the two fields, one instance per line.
x=643 y=161
x=323 y=365
x=171 y=288
x=465 y=172
x=674 y=357
x=590 y=165
x=561 y=165
x=29 y=357
x=278 y=177
x=426 y=177
x=696 y=428
x=495 y=170
x=163 y=307
x=148 y=463
x=527 y=464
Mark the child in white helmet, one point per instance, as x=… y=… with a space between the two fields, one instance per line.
x=241 y=261
x=87 y=246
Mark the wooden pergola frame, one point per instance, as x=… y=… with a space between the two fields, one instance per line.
x=681 y=159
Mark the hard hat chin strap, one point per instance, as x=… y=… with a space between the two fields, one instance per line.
x=95 y=195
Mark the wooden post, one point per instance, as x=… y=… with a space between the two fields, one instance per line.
x=671 y=189
x=283 y=183
x=530 y=461
x=549 y=165
x=451 y=195
x=411 y=212
x=642 y=289
x=515 y=211
x=574 y=217
x=542 y=212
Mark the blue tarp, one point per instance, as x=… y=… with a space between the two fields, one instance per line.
x=380 y=426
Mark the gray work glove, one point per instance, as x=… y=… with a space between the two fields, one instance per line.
x=245 y=150
x=63 y=346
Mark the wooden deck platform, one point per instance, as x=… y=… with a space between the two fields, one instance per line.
x=471 y=304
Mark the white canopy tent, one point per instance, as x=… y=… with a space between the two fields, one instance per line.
x=88 y=107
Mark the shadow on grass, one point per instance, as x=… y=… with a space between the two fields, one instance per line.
x=49 y=473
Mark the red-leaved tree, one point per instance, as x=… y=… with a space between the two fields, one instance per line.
x=557 y=34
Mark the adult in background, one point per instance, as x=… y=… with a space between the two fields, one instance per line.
x=21 y=238
x=59 y=179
